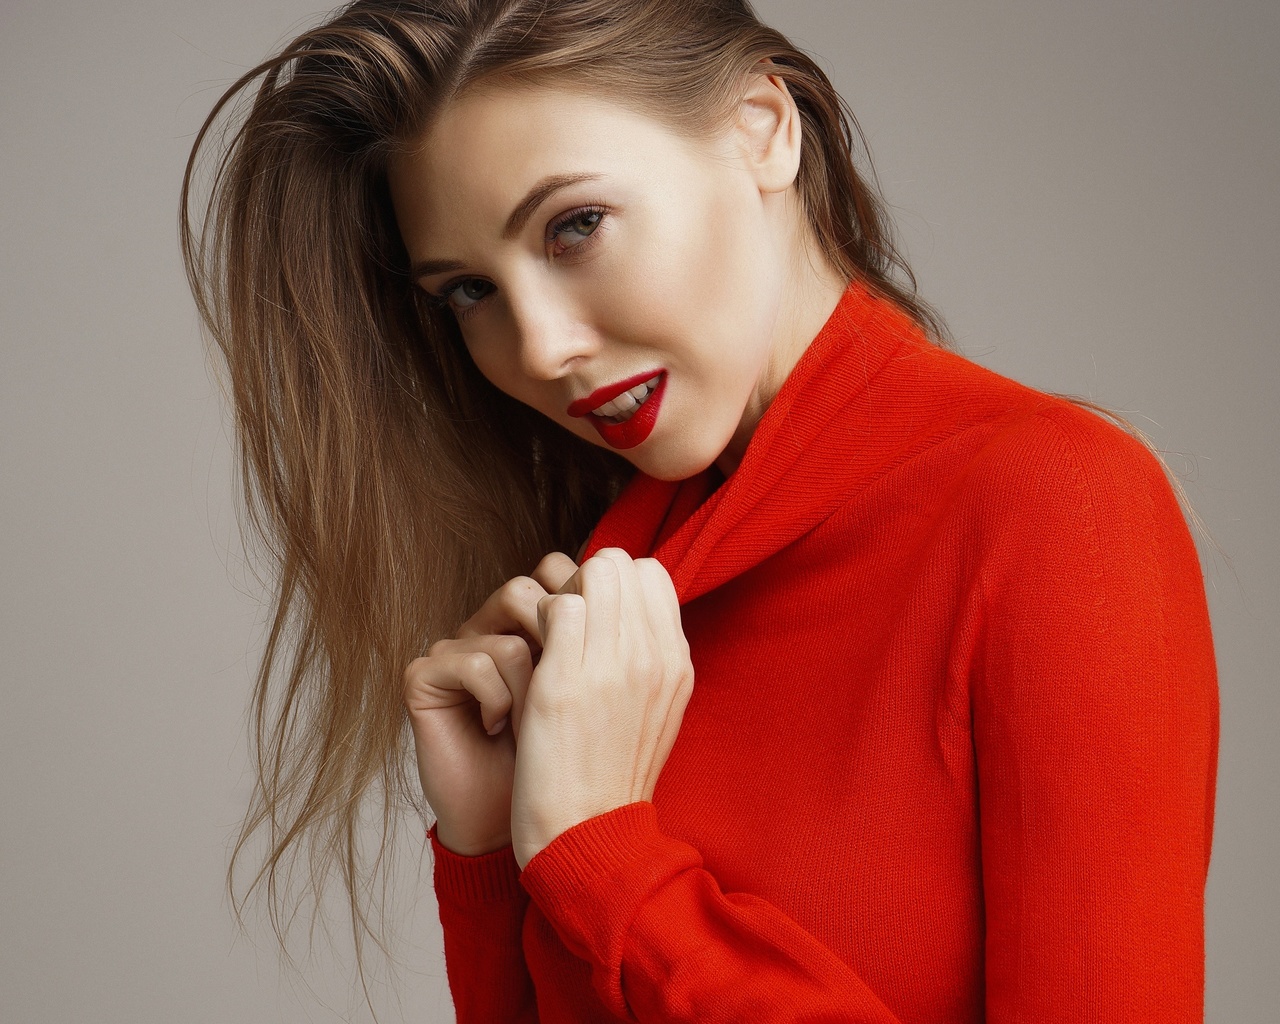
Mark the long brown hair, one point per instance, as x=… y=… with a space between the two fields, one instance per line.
x=394 y=487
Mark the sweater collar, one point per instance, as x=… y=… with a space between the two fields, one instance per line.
x=808 y=452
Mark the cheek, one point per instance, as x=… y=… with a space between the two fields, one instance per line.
x=680 y=271
x=722 y=260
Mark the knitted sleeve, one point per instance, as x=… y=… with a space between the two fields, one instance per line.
x=482 y=907
x=665 y=944
x=1095 y=715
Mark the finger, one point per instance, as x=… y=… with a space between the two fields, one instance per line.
x=562 y=620
x=512 y=608
x=664 y=610
x=514 y=661
x=455 y=673
x=604 y=580
x=663 y=601
x=554 y=569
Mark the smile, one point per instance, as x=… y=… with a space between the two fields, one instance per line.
x=626 y=420
x=622 y=408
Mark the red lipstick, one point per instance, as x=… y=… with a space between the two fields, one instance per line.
x=631 y=432
x=609 y=392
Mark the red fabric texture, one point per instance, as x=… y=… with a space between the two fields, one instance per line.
x=952 y=747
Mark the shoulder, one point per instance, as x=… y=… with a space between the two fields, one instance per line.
x=1060 y=496
x=1056 y=456
x=932 y=394
x=1005 y=465
x=1027 y=470
x=1039 y=452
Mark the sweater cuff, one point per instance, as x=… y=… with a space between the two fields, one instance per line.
x=470 y=881
x=591 y=881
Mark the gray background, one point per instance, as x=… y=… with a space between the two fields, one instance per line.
x=1087 y=191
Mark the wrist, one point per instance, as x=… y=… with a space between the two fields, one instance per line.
x=469 y=846
x=529 y=839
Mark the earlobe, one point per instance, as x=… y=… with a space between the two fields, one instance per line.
x=769 y=126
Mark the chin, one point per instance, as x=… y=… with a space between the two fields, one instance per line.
x=672 y=466
x=673 y=474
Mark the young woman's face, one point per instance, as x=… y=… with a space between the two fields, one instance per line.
x=584 y=247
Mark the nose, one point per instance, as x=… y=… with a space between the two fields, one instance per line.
x=551 y=335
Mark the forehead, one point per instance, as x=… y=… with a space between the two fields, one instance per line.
x=485 y=149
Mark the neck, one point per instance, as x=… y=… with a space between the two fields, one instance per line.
x=811 y=293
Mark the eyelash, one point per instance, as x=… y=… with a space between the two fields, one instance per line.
x=441 y=298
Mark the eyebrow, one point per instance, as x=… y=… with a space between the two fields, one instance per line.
x=535 y=197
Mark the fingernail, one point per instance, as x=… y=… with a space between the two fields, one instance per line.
x=497 y=726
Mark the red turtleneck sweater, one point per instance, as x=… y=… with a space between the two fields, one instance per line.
x=951 y=751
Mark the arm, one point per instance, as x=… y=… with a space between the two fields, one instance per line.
x=482 y=909
x=664 y=942
x=465 y=701
x=1096 y=728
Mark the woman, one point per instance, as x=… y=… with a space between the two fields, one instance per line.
x=879 y=687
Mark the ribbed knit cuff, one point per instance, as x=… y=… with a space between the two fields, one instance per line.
x=467 y=881
x=591 y=880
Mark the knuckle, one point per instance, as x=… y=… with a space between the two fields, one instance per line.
x=652 y=567
x=677 y=667
x=514 y=597
x=517 y=590
x=477 y=663
x=647 y=666
x=551 y=561
x=599 y=566
x=570 y=604
x=509 y=647
x=563 y=608
x=435 y=650
x=655 y=579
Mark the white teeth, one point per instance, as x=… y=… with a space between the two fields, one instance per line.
x=624 y=406
x=626 y=401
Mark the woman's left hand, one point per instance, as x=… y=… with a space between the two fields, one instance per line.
x=605 y=703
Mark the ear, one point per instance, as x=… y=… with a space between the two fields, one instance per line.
x=768 y=132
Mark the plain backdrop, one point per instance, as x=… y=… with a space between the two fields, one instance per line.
x=1087 y=190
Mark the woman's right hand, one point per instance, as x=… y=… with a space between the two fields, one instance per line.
x=465 y=700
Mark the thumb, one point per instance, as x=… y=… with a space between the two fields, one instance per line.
x=562 y=617
x=570 y=583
